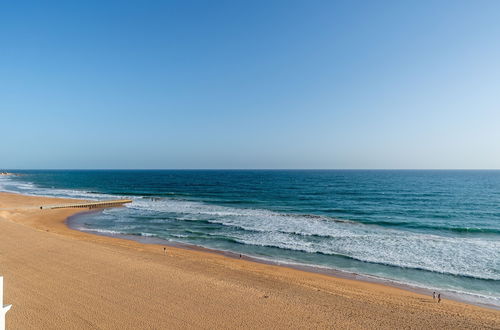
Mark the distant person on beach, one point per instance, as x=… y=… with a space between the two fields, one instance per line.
x=434 y=295
x=164 y=250
x=439 y=298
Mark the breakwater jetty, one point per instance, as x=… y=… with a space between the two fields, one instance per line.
x=90 y=205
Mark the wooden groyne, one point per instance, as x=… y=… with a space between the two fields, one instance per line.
x=90 y=205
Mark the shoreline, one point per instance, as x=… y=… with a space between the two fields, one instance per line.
x=56 y=276
x=337 y=273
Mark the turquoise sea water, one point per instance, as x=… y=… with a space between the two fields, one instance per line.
x=433 y=229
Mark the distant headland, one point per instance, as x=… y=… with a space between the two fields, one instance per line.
x=7 y=173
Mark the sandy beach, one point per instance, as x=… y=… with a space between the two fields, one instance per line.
x=59 y=278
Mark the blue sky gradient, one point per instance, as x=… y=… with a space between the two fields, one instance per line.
x=250 y=84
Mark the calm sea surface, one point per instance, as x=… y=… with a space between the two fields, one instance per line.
x=433 y=229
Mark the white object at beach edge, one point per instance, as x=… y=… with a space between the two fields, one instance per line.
x=3 y=309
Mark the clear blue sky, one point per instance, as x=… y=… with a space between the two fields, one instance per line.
x=250 y=84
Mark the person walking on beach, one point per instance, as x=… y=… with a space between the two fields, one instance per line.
x=164 y=250
x=439 y=298
x=434 y=295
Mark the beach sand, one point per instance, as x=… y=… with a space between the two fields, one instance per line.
x=59 y=278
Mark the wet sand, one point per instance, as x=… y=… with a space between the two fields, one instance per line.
x=59 y=278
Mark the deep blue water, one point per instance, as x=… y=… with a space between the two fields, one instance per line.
x=435 y=229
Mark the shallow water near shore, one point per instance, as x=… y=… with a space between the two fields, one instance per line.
x=433 y=229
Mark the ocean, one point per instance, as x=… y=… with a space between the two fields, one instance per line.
x=438 y=230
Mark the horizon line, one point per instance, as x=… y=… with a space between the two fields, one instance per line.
x=252 y=169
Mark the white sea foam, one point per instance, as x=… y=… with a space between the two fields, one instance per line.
x=100 y=231
x=474 y=257
x=148 y=235
x=10 y=184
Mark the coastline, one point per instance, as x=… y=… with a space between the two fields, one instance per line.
x=338 y=273
x=255 y=293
